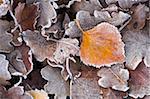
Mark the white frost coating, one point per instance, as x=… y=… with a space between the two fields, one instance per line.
x=4 y=73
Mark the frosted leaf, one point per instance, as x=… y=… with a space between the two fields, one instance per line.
x=56 y=84
x=139 y=81
x=65 y=48
x=115 y=77
x=40 y=47
x=115 y=18
x=5 y=37
x=137 y=46
x=86 y=86
x=4 y=73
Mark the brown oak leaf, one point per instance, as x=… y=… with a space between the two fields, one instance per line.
x=26 y=15
x=137 y=47
x=5 y=37
x=139 y=81
x=40 y=47
x=86 y=86
x=20 y=60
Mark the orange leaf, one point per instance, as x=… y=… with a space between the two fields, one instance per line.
x=101 y=46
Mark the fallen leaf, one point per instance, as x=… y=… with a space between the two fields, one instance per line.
x=20 y=60
x=17 y=93
x=139 y=81
x=5 y=37
x=137 y=46
x=66 y=47
x=40 y=47
x=102 y=46
x=56 y=84
x=26 y=15
x=139 y=17
x=85 y=5
x=73 y=30
x=112 y=94
x=128 y=3
x=34 y=80
x=48 y=14
x=111 y=8
x=115 y=18
x=86 y=86
x=38 y=94
x=4 y=74
x=115 y=77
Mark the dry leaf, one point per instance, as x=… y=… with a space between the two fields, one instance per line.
x=4 y=73
x=111 y=8
x=38 y=94
x=139 y=17
x=86 y=86
x=129 y=3
x=102 y=46
x=82 y=16
x=5 y=37
x=115 y=18
x=139 y=81
x=56 y=84
x=112 y=94
x=86 y=5
x=115 y=77
x=16 y=93
x=57 y=28
x=26 y=15
x=20 y=60
x=48 y=14
x=137 y=46
x=40 y=47
x=34 y=80
x=65 y=48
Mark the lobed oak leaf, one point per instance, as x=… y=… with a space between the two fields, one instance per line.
x=115 y=77
x=65 y=48
x=115 y=18
x=128 y=3
x=5 y=37
x=38 y=94
x=26 y=15
x=4 y=74
x=34 y=80
x=14 y=93
x=82 y=16
x=139 y=81
x=138 y=17
x=102 y=46
x=20 y=60
x=137 y=46
x=40 y=47
x=47 y=14
x=86 y=86
x=85 y=5
x=125 y=3
x=56 y=84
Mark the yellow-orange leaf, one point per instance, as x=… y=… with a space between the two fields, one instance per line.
x=102 y=45
x=38 y=94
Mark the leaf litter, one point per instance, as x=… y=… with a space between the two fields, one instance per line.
x=77 y=49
